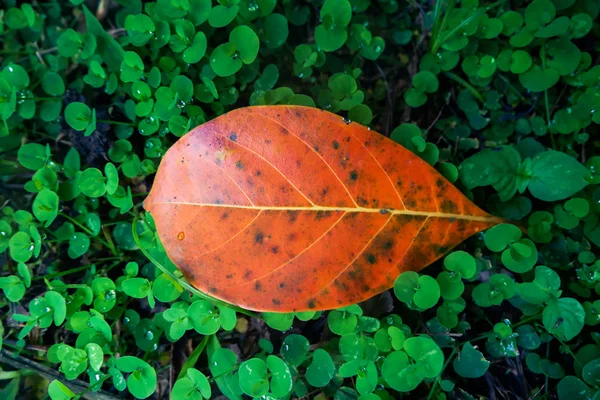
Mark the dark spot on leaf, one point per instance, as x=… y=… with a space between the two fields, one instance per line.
x=240 y=164
x=353 y=175
x=276 y=302
x=259 y=237
x=335 y=145
x=383 y=211
x=371 y=259
x=292 y=215
x=311 y=304
x=225 y=215
x=281 y=285
x=233 y=137
x=388 y=245
x=257 y=286
x=316 y=148
x=229 y=276
x=258 y=173
x=275 y=249
x=448 y=207
x=247 y=274
x=213 y=290
x=322 y=214
x=362 y=201
x=440 y=182
x=347 y=138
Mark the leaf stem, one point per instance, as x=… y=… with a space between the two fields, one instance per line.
x=466 y=84
x=108 y=121
x=548 y=119
x=437 y=379
x=89 y=232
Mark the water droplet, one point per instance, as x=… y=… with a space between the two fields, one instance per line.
x=346 y=121
x=181 y=104
x=110 y=295
x=126 y=320
x=149 y=335
x=181 y=236
x=47 y=309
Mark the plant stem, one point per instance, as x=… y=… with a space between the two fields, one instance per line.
x=108 y=121
x=63 y=273
x=89 y=232
x=548 y=119
x=437 y=379
x=466 y=84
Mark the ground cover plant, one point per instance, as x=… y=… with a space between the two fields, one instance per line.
x=500 y=97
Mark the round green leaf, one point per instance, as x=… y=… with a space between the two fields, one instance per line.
x=321 y=369
x=470 y=363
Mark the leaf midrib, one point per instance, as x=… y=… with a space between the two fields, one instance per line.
x=345 y=209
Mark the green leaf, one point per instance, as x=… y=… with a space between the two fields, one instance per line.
x=45 y=206
x=224 y=60
x=58 y=391
x=205 y=319
x=21 y=247
x=424 y=291
x=321 y=369
x=138 y=288
x=470 y=363
x=281 y=378
x=556 y=176
x=59 y=307
x=142 y=380
x=78 y=116
x=221 y=16
x=253 y=377
x=462 y=262
x=246 y=43
x=132 y=67
x=53 y=84
x=544 y=287
x=537 y=79
x=564 y=317
x=342 y=322
x=572 y=388
x=294 y=349
x=276 y=31
x=92 y=183
x=33 y=156
x=497 y=167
